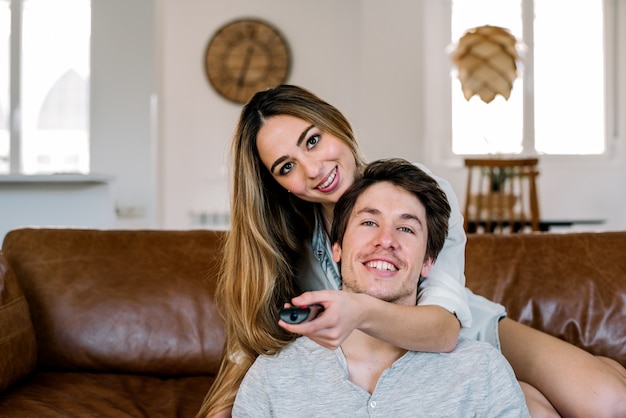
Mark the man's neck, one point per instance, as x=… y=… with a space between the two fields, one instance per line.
x=368 y=358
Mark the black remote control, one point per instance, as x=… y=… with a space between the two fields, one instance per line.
x=299 y=314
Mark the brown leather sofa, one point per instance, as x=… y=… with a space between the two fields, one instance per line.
x=123 y=323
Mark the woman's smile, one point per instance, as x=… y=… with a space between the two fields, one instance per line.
x=330 y=182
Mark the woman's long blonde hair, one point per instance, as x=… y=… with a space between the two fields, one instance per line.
x=269 y=228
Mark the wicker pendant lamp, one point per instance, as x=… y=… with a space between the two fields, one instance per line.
x=487 y=61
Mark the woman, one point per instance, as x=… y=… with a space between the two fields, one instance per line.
x=293 y=157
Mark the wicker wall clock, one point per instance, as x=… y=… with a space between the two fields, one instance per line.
x=245 y=56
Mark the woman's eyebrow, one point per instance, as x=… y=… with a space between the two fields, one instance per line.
x=298 y=143
x=277 y=162
x=303 y=134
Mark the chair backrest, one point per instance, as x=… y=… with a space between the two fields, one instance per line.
x=501 y=195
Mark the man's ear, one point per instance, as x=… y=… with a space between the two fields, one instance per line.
x=428 y=263
x=336 y=252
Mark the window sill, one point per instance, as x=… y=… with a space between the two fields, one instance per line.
x=55 y=178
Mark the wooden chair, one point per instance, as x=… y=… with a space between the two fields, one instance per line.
x=501 y=195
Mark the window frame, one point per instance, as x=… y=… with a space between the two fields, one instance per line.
x=15 y=82
x=438 y=109
x=15 y=93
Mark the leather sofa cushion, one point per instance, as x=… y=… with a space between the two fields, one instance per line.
x=121 y=301
x=572 y=286
x=18 y=347
x=54 y=394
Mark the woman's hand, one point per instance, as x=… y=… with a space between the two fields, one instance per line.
x=343 y=313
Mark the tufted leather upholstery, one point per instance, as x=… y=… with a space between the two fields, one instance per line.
x=125 y=322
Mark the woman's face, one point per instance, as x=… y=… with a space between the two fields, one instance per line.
x=313 y=165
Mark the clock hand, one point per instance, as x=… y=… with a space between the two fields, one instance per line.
x=246 y=63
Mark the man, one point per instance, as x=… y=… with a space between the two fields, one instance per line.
x=387 y=232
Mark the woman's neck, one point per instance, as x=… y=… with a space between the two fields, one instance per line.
x=327 y=216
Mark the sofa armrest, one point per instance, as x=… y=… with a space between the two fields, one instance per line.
x=18 y=348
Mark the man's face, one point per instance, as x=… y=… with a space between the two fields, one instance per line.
x=384 y=245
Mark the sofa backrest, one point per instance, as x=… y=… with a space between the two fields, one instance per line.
x=570 y=285
x=142 y=301
x=125 y=301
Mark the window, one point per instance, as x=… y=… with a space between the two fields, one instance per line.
x=44 y=80
x=564 y=113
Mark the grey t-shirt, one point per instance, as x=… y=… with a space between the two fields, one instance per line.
x=309 y=380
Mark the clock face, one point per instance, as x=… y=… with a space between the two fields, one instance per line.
x=246 y=56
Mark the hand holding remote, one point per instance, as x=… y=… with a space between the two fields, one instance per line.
x=300 y=314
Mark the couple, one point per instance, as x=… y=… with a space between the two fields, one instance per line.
x=387 y=231
x=294 y=155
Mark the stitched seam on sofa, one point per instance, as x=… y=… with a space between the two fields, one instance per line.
x=14 y=320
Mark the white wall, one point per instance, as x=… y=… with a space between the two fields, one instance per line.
x=196 y=124
x=361 y=55
x=55 y=200
x=382 y=63
x=123 y=77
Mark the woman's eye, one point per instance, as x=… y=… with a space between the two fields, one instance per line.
x=312 y=141
x=369 y=223
x=286 y=168
x=406 y=229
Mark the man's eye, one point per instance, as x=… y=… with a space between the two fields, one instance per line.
x=312 y=141
x=369 y=223
x=286 y=168
x=406 y=229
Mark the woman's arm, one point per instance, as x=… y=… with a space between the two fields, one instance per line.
x=445 y=285
x=433 y=325
x=419 y=328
